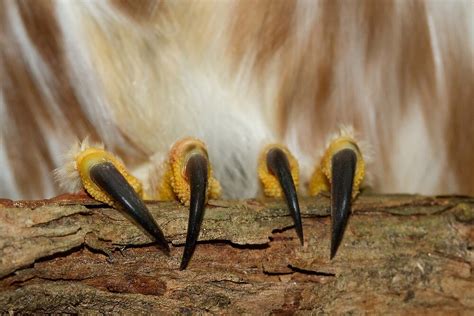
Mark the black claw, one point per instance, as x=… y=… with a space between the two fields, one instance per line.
x=196 y=171
x=343 y=169
x=109 y=179
x=278 y=165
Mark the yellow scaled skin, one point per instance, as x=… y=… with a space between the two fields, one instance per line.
x=270 y=183
x=93 y=156
x=321 y=178
x=175 y=185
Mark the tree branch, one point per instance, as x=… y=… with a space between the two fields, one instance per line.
x=399 y=253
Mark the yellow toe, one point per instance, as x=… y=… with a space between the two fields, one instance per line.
x=175 y=184
x=271 y=185
x=92 y=156
x=321 y=178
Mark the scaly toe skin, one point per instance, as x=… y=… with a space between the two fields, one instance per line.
x=105 y=178
x=341 y=171
x=189 y=179
x=278 y=171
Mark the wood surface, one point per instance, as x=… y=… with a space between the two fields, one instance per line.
x=400 y=254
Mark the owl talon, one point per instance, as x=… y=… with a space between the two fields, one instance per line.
x=196 y=172
x=340 y=172
x=278 y=165
x=343 y=170
x=278 y=171
x=106 y=176
x=188 y=178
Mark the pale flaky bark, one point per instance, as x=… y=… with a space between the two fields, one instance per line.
x=399 y=254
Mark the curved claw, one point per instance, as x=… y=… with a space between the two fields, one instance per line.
x=109 y=179
x=343 y=169
x=278 y=165
x=197 y=174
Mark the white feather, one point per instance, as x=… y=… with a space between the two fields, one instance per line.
x=67 y=175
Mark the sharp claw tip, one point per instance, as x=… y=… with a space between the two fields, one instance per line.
x=302 y=242
x=334 y=247
x=333 y=252
x=300 y=237
x=183 y=265
x=161 y=242
x=166 y=249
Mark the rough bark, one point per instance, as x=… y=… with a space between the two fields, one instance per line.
x=399 y=254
